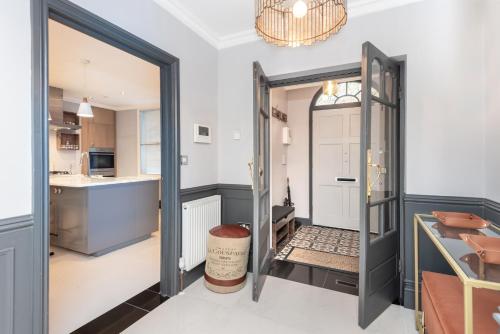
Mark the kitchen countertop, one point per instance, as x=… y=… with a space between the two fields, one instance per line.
x=82 y=181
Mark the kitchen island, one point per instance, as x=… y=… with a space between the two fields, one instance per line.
x=97 y=215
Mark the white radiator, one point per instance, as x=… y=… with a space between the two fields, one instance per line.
x=198 y=217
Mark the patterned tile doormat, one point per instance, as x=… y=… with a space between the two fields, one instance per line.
x=323 y=246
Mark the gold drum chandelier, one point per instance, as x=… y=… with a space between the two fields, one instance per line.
x=298 y=22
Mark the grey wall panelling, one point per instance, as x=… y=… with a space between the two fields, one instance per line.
x=236 y=200
x=16 y=274
x=237 y=203
x=191 y=194
x=492 y=211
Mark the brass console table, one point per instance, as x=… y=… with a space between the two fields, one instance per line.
x=458 y=255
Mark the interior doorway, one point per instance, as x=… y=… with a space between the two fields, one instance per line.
x=104 y=177
x=315 y=148
x=71 y=16
x=356 y=185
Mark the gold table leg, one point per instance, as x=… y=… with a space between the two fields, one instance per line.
x=418 y=323
x=468 y=314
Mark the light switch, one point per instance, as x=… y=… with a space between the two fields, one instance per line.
x=184 y=160
x=236 y=135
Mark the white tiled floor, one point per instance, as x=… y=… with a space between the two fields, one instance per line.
x=284 y=307
x=84 y=287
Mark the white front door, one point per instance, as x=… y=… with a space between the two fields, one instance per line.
x=336 y=145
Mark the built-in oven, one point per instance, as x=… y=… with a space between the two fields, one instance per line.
x=101 y=161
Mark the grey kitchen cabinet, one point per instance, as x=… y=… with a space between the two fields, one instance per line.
x=95 y=220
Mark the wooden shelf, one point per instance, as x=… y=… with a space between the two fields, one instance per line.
x=70 y=118
x=282 y=234
x=283 y=230
x=68 y=141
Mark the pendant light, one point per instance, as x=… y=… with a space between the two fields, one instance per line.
x=299 y=22
x=85 y=109
x=330 y=88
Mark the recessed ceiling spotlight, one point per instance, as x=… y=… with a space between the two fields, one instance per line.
x=123 y=92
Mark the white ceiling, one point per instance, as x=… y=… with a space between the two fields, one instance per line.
x=225 y=23
x=115 y=79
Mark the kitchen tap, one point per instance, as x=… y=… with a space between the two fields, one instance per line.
x=88 y=162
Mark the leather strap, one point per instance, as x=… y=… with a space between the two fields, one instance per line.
x=219 y=282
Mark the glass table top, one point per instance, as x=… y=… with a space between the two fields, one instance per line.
x=463 y=255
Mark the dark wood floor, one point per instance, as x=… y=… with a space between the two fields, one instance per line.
x=124 y=315
x=320 y=277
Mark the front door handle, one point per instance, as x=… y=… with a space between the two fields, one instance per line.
x=379 y=170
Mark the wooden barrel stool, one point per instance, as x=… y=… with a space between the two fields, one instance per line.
x=227 y=258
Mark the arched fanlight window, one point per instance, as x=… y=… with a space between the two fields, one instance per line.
x=347 y=92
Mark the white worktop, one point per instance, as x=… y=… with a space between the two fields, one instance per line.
x=82 y=181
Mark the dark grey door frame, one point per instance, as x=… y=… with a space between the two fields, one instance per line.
x=82 y=20
x=350 y=70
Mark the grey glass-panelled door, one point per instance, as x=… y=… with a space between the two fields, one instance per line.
x=260 y=175
x=379 y=237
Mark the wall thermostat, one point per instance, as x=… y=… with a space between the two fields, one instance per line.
x=202 y=134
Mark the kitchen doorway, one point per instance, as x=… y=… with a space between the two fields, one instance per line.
x=70 y=15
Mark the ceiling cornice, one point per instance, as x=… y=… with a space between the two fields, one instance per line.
x=365 y=7
x=241 y=37
x=180 y=12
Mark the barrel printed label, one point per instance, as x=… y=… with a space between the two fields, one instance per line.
x=227 y=258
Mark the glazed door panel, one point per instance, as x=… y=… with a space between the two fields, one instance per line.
x=379 y=232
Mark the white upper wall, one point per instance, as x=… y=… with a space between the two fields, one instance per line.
x=299 y=101
x=198 y=73
x=445 y=107
x=15 y=124
x=492 y=98
x=444 y=148
x=278 y=150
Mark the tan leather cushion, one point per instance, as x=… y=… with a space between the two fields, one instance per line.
x=442 y=301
